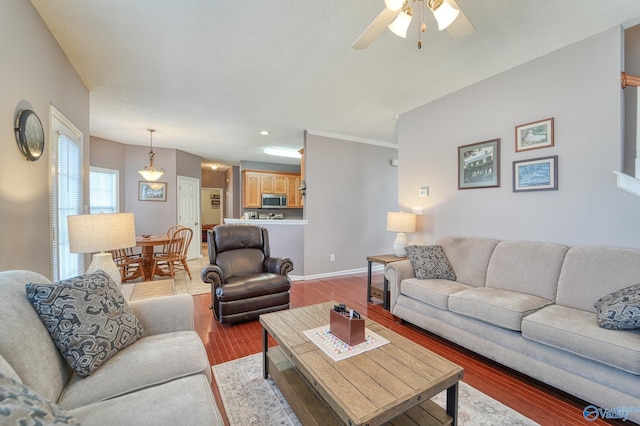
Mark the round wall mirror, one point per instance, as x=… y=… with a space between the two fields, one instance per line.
x=29 y=135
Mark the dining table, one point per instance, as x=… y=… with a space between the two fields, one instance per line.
x=148 y=243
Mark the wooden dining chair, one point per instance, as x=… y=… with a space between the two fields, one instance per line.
x=129 y=264
x=172 y=230
x=176 y=254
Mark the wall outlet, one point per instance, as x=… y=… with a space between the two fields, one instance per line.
x=423 y=191
x=417 y=210
x=332 y=257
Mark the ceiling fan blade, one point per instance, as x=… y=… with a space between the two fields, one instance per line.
x=460 y=28
x=375 y=28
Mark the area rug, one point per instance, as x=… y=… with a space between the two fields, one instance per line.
x=251 y=400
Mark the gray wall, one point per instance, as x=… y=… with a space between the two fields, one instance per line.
x=110 y=155
x=350 y=188
x=36 y=74
x=152 y=217
x=632 y=68
x=579 y=86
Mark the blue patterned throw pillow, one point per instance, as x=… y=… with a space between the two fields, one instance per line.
x=430 y=262
x=620 y=310
x=87 y=317
x=19 y=405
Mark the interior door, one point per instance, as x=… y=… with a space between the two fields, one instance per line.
x=189 y=212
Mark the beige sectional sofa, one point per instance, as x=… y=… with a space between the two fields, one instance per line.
x=163 y=378
x=530 y=307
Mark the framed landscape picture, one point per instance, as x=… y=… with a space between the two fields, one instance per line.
x=536 y=174
x=479 y=165
x=538 y=134
x=152 y=191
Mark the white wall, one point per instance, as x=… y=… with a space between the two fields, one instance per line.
x=35 y=74
x=350 y=188
x=579 y=86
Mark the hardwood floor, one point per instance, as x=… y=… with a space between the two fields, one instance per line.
x=539 y=402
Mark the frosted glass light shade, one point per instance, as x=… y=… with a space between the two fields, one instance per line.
x=445 y=15
x=401 y=222
x=400 y=25
x=393 y=4
x=91 y=233
x=150 y=174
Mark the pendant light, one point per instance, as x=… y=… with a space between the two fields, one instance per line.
x=150 y=173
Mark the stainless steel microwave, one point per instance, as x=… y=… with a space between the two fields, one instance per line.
x=274 y=201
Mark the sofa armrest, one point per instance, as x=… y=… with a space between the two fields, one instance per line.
x=164 y=314
x=395 y=272
x=278 y=265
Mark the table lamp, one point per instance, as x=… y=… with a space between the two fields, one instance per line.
x=92 y=233
x=401 y=222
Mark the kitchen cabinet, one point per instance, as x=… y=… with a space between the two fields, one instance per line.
x=294 y=199
x=252 y=190
x=258 y=182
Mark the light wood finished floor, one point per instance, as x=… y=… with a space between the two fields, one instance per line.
x=539 y=402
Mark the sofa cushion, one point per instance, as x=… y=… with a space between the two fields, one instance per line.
x=430 y=262
x=526 y=267
x=25 y=343
x=186 y=401
x=620 y=310
x=87 y=317
x=589 y=273
x=433 y=292
x=577 y=331
x=148 y=362
x=20 y=405
x=469 y=257
x=499 y=307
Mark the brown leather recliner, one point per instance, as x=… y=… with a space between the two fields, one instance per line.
x=245 y=280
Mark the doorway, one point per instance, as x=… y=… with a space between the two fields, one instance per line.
x=188 y=208
x=212 y=207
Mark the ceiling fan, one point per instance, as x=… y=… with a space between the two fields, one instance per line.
x=397 y=16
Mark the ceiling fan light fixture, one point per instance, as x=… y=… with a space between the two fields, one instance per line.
x=150 y=173
x=444 y=13
x=394 y=4
x=400 y=25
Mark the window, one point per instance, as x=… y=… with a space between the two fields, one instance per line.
x=103 y=190
x=66 y=193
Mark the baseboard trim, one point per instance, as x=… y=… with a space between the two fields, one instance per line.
x=357 y=271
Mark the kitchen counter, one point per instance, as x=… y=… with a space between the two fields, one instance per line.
x=268 y=221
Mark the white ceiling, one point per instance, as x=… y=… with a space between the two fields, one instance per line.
x=210 y=74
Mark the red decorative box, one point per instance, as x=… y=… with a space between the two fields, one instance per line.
x=349 y=330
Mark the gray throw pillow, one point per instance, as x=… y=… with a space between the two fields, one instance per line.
x=19 y=405
x=87 y=317
x=430 y=262
x=620 y=310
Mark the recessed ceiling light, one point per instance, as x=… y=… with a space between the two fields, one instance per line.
x=214 y=167
x=264 y=132
x=283 y=152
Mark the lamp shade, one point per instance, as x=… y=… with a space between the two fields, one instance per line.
x=401 y=222
x=400 y=25
x=394 y=4
x=445 y=14
x=90 y=233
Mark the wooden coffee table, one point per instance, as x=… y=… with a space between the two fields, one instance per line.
x=390 y=382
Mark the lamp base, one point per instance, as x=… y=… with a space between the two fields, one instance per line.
x=399 y=244
x=104 y=261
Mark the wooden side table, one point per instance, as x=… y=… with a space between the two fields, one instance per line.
x=384 y=259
